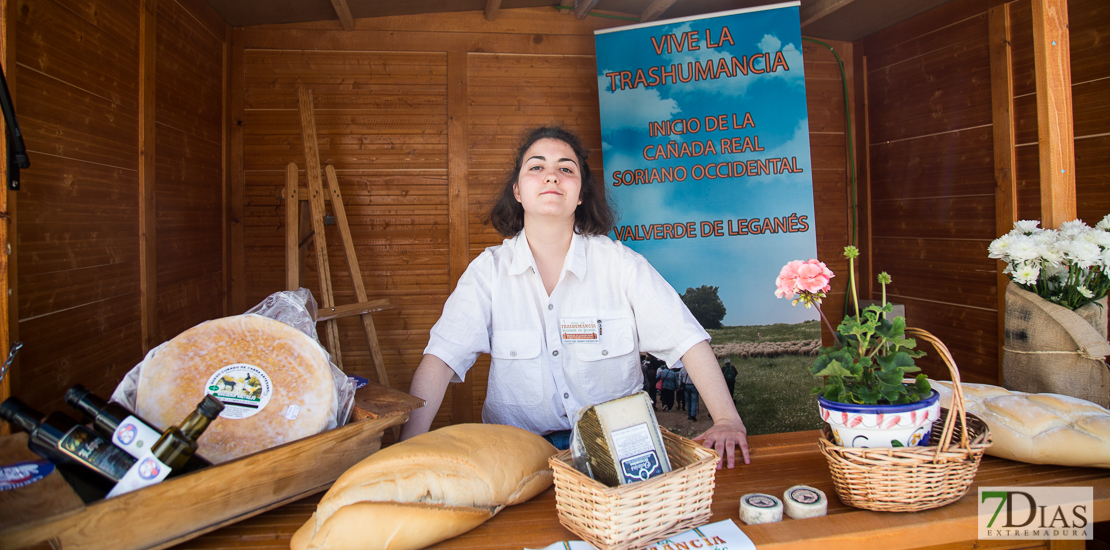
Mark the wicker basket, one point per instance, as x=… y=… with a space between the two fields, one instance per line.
x=638 y=514
x=908 y=479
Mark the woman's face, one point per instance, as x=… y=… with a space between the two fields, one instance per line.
x=549 y=181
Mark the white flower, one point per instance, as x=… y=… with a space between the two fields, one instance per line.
x=1083 y=253
x=1026 y=227
x=1045 y=237
x=1100 y=238
x=1073 y=228
x=999 y=248
x=1104 y=225
x=1086 y=293
x=1024 y=249
x=1026 y=274
x=1050 y=253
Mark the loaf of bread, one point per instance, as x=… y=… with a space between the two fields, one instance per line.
x=1039 y=428
x=430 y=488
x=274 y=380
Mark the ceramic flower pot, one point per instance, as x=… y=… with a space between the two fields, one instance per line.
x=881 y=425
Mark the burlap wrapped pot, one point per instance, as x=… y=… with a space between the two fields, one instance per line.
x=1052 y=349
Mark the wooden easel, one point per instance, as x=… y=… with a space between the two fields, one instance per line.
x=329 y=311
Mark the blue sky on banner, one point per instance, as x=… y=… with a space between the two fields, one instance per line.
x=744 y=266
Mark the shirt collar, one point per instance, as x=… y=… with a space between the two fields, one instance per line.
x=522 y=255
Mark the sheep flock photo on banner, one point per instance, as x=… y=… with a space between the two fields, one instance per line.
x=705 y=142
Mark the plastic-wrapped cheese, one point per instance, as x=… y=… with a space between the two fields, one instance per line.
x=760 y=508
x=803 y=501
x=275 y=382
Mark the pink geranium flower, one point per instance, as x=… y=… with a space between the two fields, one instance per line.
x=798 y=277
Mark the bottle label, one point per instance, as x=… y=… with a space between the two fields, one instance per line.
x=146 y=471
x=134 y=436
x=243 y=389
x=20 y=474
x=86 y=446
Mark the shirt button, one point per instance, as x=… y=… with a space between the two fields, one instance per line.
x=512 y=354
x=566 y=396
x=605 y=352
x=550 y=306
x=555 y=353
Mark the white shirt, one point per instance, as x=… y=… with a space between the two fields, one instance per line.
x=537 y=381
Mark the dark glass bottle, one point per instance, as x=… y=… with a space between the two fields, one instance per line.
x=179 y=443
x=63 y=440
x=136 y=436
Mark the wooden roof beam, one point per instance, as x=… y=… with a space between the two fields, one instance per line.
x=1055 y=130
x=344 y=14
x=582 y=8
x=821 y=9
x=653 y=11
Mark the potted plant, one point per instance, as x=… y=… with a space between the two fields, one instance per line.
x=865 y=399
x=1056 y=308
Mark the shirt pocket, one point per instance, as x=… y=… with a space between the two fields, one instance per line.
x=610 y=368
x=515 y=376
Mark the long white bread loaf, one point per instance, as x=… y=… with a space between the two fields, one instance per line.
x=1039 y=428
x=430 y=488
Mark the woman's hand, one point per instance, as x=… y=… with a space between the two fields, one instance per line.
x=724 y=436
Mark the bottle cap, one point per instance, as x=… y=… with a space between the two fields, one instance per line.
x=210 y=407
x=20 y=415
x=76 y=394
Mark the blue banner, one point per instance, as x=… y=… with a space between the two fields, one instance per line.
x=705 y=139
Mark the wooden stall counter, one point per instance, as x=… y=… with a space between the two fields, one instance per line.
x=184 y=507
x=779 y=461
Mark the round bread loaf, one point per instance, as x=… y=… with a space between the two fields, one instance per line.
x=275 y=382
x=429 y=488
x=1039 y=428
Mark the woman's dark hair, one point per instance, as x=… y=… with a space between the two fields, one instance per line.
x=593 y=217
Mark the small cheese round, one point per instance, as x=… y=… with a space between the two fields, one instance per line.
x=274 y=380
x=803 y=501
x=760 y=508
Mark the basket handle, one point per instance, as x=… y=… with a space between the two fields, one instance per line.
x=957 y=407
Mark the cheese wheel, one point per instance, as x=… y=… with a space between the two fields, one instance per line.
x=803 y=501
x=275 y=382
x=758 y=508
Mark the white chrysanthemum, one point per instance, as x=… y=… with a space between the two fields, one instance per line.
x=1026 y=274
x=1045 y=237
x=1073 y=228
x=1104 y=224
x=1100 y=238
x=999 y=248
x=1051 y=253
x=1083 y=253
x=1053 y=271
x=1024 y=249
x=1086 y=293
x=1026 y=227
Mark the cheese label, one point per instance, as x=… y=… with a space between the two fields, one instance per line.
x=761 y=501
x=134 y=436
x=243 y=389
x=146 y=471
x=21 y=474
x=805 y=496
x=636 y=452
x=580 y=331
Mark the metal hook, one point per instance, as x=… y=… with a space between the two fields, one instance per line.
x=11 y=358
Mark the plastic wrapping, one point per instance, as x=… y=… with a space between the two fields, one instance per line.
x=295 y=308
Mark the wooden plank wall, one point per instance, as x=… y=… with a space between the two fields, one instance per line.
x=932 y=180
x=78 y=93
x=419 y=115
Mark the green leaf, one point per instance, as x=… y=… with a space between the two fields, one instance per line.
x=833 y=368
x=868 y=396
x=896 y=443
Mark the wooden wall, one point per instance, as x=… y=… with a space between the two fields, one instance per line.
x=119 y=101
x=930 y=149
x=419 y=116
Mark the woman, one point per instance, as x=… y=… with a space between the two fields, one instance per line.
x=563 y=310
